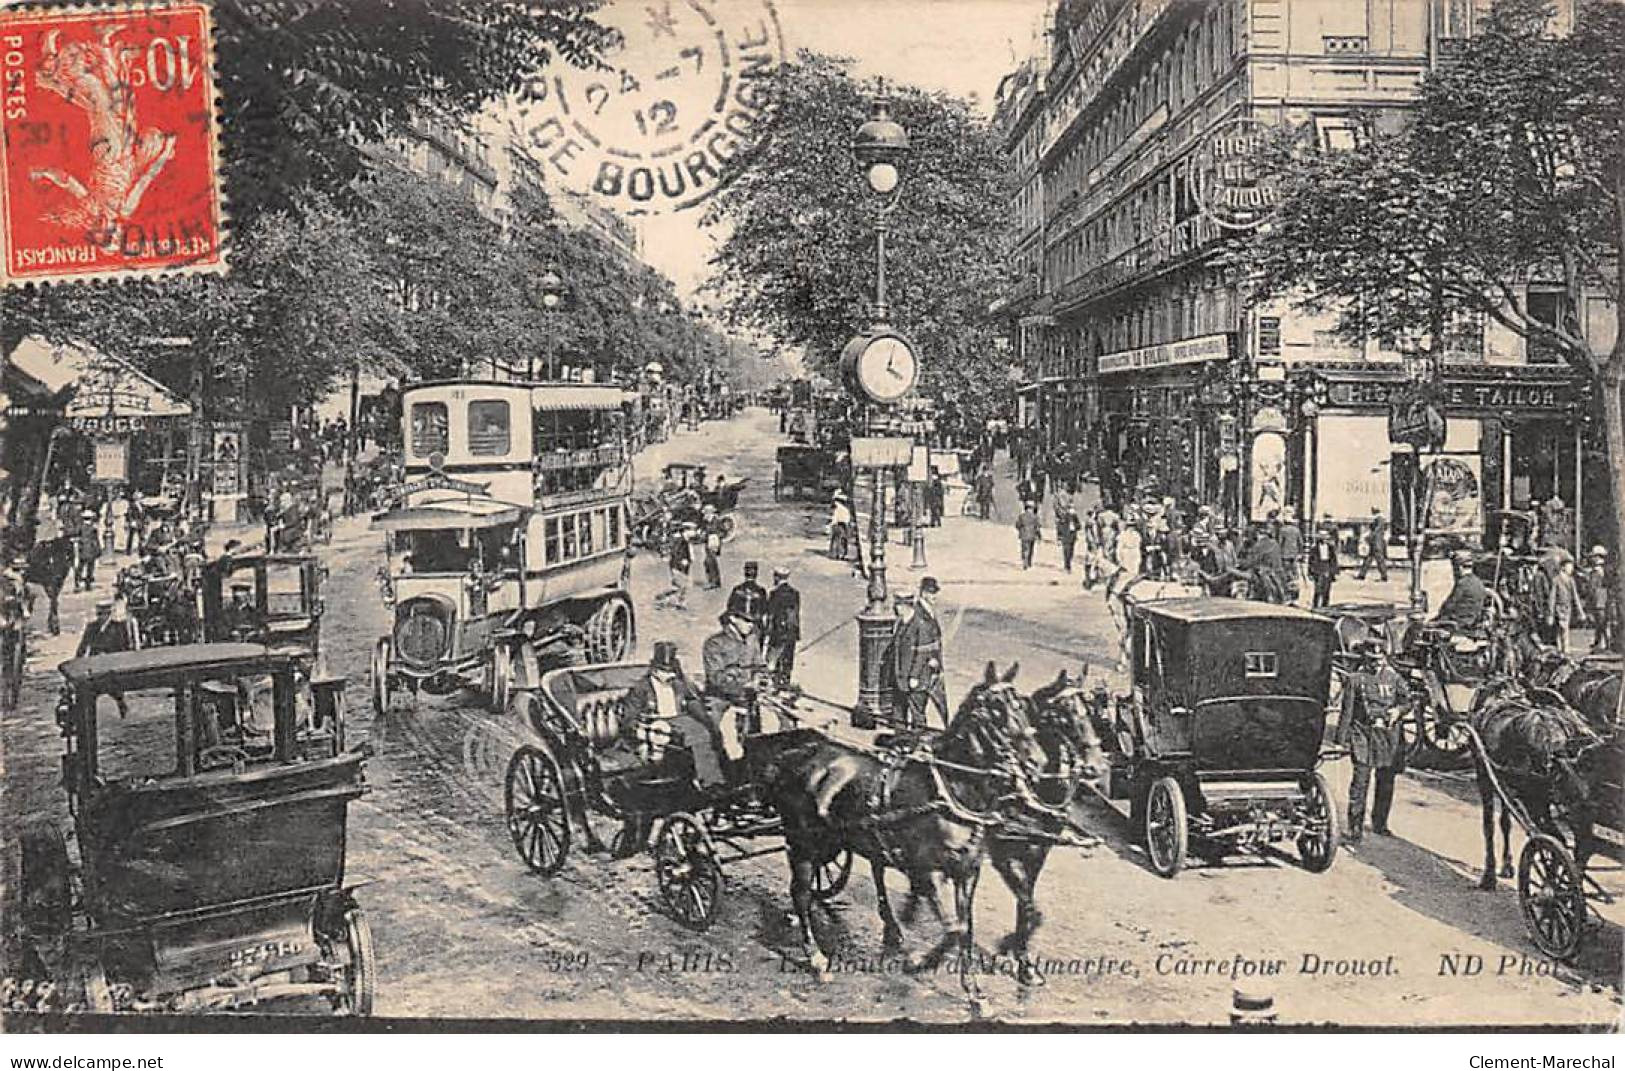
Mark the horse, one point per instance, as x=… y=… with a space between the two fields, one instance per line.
x=1543 y=753
x=49 y=564
x=927 y=810
x=1063 y=726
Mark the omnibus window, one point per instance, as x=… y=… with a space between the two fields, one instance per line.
x=430 y=429
x=488 y=428
x=285 y=589
x=551 y=530
x=614 y=515
x=586 y=533
x=569 y=548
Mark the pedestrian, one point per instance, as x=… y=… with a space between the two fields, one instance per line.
x=120 y=512
x=88 y=548
x=1223 y=565
x=783 y=627
x=1323 y=567
x=713 y=550
x=840 y=528
x=1128 y=555
x=1066 y=533
x=1563 y=604
x=1598 y=588
x=108 y=522
x=936 y=495
x=1374 y=703
x=1290 y=536
x=917 y=663
x=109 y=632
x=1374 y=554
x=679 y=560
x=984 y=491
x=1062 y=504
x=749 y=599
x=1028 y=532
x=1261 y=561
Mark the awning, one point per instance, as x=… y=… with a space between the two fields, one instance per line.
x=102 y=386
x=560 y=397
x=459 y=514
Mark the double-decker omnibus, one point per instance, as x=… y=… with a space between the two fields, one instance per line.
x=507 y=542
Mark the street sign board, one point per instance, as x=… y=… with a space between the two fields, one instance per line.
x=882 y=453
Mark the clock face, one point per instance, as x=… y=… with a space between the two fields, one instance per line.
x=886 y=369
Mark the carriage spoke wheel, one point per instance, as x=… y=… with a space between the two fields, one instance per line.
x=1446 y=736
x=1317 y=844
x=538 y=818
x=1167 y=832
x=500 y=669
x=1551 y=895
x=686 y=868
x=609 y=632
x=829 y=879
x=379 y=677
x=357 y=978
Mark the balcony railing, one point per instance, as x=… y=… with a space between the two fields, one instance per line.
x=1150 y=255
x=576 y=459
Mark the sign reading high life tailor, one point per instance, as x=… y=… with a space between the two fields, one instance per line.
x=1233 y=185
x=686 y=92
x=108 y=143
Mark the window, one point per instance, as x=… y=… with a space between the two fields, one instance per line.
x=488 y=428
x=551 y=531
x=584 y=520
x=1259 y=664
x=614 y=524
x=568 y=543
x=1550 y=307
x=429 y=429
x=1338 y=133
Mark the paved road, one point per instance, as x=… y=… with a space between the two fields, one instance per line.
x=463 y=929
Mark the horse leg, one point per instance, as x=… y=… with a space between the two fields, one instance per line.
x=964 y=916
x=53 y=620
x=922 y=887
x=892 y=934
x=1486 y=801
x=1506 y=842
x=801 y=880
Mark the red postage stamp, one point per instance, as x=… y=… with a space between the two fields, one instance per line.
x=109 y=143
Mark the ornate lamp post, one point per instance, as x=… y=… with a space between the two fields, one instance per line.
x=881 y=366
x=549 y=295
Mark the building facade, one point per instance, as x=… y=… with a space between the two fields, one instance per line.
x=1019 y=117
x=1155 y=364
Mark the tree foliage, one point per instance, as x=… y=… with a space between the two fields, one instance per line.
x=798 y=262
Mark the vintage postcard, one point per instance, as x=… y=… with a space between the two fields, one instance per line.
x=1079 y=514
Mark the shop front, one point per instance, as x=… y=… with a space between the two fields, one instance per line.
x=1513 y=440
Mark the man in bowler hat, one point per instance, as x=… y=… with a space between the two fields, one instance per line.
x=917 y=659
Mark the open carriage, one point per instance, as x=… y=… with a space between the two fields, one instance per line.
x=568 y=773
x=1219 y=740
x=208 y=833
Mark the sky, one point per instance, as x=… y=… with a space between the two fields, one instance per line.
x=963 y=47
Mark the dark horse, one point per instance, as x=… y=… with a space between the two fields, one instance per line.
x=1547 y=760
x=49 y=564
x=936 y=809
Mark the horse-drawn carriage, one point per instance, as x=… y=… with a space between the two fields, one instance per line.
x=800 y=469
x=1220 y=738
x=161 y=602
x=561 y=779
x=686 y=500
x=209 y=830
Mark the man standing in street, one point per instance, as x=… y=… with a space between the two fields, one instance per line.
x=936 y=494
x=1261 y=561
x=1376 y=547
x=984 y=490
x=733 y=662
x=783 y=627
x=748 y=599
x=1598 y=586
x=1028 y=532
x=1067 y=525
x=1373 y=705
x=1290 y=537
x=917 y=659
x=840 y=527
x=680 y=560
x=89 y=547
x=1323 y=567
x=111 y=631
x=713 y=549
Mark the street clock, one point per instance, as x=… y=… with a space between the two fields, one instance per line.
x=882 y=365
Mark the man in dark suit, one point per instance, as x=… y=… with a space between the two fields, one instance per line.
x=1376 y=550
x=917 y=659
x=749 y=600
x=1466 y=605
x=110 y=632
x=659 y=710
x=783 y=627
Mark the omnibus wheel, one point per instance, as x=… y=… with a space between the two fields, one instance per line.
x=609 y=632
x=1551 y=895
x=500 y=669
x=379 y=676
x=1167 y=830
x=537 y=810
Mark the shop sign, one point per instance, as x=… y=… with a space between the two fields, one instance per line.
x=1233 y=185
x=108 y=425
x=1530 y=398
x=1197 y=350
x=882 y=453
x=439 y=481
x=111 y=461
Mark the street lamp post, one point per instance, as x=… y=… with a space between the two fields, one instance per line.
x=880 y=146
x=550 y=295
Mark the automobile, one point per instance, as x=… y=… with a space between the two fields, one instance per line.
x=287 y=599
x=1218 y=742
x=207 y=869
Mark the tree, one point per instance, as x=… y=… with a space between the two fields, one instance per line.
x=1510 y=163
x=306 y=84
x=797 y=264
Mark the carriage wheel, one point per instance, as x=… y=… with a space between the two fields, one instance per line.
x=829 y=879
x=1317 y=845
x=538 y=815
x=380 y=677
x=686 y=868
x=609 y=632
x=726 y=528
x=1167 y=832
x=358 y=980
x=501 y=676
x=1446 y=736
x=1553 y=900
